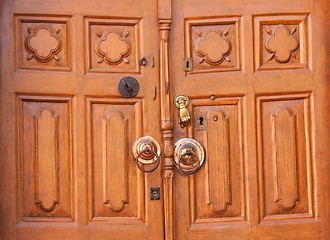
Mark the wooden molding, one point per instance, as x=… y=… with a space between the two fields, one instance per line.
x=166 y=105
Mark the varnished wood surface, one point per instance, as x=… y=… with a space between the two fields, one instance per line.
x=67 y=168
x=258 y=87
x=265 y=175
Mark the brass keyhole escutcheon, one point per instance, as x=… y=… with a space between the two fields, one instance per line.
x=181 y=101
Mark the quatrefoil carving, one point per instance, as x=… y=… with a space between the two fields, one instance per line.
x=43 y=44
x=282 y=44
x=213 y=47
x=113 y=47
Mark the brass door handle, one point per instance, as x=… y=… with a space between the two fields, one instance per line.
x=146 y=151
x=181 y=101
x=188 y=155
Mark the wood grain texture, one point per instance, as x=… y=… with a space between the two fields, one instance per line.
x=166 y=109
x=286 y=167
x=115 y=180
x=45 y=164
x=217 y=191
x=262 y=64
x=280 y=59
x=112 y=44
x=43 y=42
x=213 y=44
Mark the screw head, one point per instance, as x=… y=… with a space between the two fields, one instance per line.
x=215 y=118
x=212 y=97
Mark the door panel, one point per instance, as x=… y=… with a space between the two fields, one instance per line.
x=45 y=161
x=250 y=72
x=70 y=173
x=219 y=197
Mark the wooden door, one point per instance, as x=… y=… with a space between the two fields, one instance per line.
x=67 y=169
x=255 y=76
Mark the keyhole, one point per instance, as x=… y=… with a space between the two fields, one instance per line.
x=201 y=119
x=187 y=64
x=154 y=193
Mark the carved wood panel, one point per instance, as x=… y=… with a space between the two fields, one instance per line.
x=285 y=162
x=43 y=42
x=44 y=157
x=117 y=186
x=113 y=45
x=281 y=41
x=218 y=190
x=213 y=44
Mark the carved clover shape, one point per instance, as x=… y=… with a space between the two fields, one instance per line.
x=213 y=47
x=113 y=47
x=43 y=44
x=282 y=44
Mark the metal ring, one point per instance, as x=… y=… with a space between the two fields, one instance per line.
x=188 y=172
x=143 y=61
x=155 y=154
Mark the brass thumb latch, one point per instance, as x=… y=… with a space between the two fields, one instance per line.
x=181 y=101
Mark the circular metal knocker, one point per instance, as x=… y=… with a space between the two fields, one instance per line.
x=188 y=155
x=146 y=151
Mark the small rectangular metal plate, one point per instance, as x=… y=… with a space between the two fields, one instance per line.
x=187 y=64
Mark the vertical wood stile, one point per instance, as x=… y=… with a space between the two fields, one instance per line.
x=164 y=19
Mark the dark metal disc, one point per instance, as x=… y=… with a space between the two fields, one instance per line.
x=128 y=87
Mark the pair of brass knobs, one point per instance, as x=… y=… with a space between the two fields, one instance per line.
x=188 y=154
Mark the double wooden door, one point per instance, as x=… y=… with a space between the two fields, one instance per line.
x=255 y=74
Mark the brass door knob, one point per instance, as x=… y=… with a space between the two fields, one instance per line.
x=146 y=151
x=188 y=155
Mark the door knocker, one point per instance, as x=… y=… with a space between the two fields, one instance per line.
x=181 y=101
x=146 y=151
x=188 y=155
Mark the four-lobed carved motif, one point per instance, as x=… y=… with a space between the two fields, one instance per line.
x=282 y=44
x=281 y=41
x=113 y=47
x=213 y=44
x=213 y=47
x=43 y=44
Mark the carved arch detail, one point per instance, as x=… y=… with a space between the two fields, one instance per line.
x=219 y=192
x=46 y=127
x=115 y=189
x=285 y=159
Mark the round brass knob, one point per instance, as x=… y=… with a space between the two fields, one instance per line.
x=188 y=155
x=146 y=150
